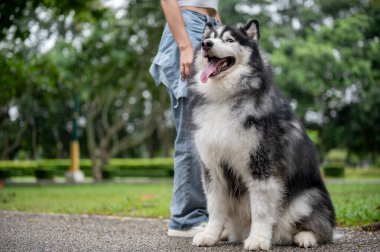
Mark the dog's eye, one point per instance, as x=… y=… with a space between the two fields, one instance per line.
x=230 y=40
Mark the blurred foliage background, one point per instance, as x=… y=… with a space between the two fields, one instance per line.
x=325 y=56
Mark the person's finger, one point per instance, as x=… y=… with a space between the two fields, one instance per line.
x=182 y=71
x=187 y=70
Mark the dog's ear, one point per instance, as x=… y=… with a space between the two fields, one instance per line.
x=252 y=29
x=207 y=30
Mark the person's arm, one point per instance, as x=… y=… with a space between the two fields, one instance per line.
x=174 y=19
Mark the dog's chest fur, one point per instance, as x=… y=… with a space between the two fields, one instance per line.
x=221 y=137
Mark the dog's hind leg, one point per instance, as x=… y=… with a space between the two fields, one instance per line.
x=317 y=229
x=305 y=239
x=290 y=219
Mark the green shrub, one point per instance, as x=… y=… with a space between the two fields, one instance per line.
x=107 y=174
x=334 y=170
x=337 y=156
x=156 y=167
x=140 y=163
x=9 y=164
x=142 y=172
x=5 y=174
x=19 y=168
x=42 y=174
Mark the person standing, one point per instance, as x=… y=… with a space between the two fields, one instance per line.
x=186 y=20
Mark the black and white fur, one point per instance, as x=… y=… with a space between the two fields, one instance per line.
x=259 y=168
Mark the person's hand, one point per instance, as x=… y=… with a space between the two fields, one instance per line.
x=186 y=58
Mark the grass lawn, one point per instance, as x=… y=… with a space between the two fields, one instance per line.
x=360 y=173
x=143 y=200
x=355 y=203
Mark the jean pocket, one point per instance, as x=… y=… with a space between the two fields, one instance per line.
x=164 y=69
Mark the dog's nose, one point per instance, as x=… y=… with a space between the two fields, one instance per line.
x=207 y=44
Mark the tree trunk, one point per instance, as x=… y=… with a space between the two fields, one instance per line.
x=34 y=139
x=97 y=171
x=8 y=149
x=93 y=151
x=5 y=152
x=99 y=162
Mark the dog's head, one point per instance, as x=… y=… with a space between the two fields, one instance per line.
x=224 y=49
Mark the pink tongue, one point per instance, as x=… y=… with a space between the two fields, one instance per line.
x=210 y=69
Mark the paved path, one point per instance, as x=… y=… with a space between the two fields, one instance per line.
x=60 y=232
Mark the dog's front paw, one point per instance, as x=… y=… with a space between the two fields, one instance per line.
x=305 y=239
x=205 y=239
x=255 y=242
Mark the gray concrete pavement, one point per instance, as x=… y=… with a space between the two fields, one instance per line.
x=60 y=232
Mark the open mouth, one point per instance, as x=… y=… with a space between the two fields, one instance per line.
x=215 y=66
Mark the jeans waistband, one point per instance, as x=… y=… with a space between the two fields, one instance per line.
x=203 y=17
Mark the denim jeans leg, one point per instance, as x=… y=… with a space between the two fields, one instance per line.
x=188 y=204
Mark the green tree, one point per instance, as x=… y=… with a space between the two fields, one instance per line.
x=102 y=55
x=325 y=59
x=121 y=107
x=30 y=84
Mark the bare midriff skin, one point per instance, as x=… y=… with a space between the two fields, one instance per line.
x=205 y=11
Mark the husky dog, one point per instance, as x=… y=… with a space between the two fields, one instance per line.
x=259 y=168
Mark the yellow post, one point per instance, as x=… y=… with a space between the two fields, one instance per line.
x=74 y=174
x=74 y=156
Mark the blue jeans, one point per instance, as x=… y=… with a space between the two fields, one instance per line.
x=188 y=204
